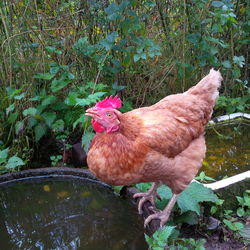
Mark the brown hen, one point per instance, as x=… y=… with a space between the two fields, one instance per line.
x=163 y=143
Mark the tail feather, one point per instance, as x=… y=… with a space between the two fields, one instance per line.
x=208 y=86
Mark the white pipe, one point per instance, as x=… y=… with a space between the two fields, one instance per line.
x=229 y=117
x=228 y=181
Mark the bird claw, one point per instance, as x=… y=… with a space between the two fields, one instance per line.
x=144 y=198
x=153 y=209
x=149 y=196
x=162 y=216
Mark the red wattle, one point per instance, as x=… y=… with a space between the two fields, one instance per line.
x=97 y=126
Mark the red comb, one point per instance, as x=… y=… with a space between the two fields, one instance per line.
x=110 y=102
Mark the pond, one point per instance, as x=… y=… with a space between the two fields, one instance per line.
x=67 y=214
x=228 y=150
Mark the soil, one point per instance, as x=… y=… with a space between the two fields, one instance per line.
x=220 y=239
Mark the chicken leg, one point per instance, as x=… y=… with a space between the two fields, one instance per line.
x=163 y=215
x=148 y=196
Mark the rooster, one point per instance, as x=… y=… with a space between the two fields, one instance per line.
x=163 y=143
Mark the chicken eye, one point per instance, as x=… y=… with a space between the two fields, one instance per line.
x=108 y=115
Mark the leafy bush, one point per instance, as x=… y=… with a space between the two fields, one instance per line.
x=8 y=164
x=167 y=237
x=67 y=55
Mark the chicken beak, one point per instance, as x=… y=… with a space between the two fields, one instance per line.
x=92 y=112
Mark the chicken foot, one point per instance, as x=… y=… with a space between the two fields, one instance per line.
x=148 y=196
x=163 y=216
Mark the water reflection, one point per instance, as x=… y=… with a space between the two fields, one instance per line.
x=67 y=215
x=228 y=150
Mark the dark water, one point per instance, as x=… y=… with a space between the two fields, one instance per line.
x=228 y=150
x=67 y=214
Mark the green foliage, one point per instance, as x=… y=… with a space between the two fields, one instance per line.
x=55 y=159
x=188 y=200
x=235 y=226
x=54 y=68
x=167 y=237
x=235 y=220
x=244 y=204
x=9 y=164
x=159 y=240
x=231 y=105
x=202 y=177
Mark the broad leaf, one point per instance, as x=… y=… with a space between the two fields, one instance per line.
x=49 y=117
x=10 y=109
x=49 y=100
x=56 y=85
x=14 y=162
x=195 y=193
x=19 y=127
x=40 y=131
x=86 y=139
x=58 y=126
x=30 y=111
x=3 y=155
x=217 y=3
x=45 y=76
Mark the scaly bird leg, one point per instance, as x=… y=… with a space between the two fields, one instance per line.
x=148 y=196
x=163 y=215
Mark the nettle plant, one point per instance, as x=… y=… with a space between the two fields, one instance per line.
x=55 y=103
x=188 y=201
x=7 y=163
x=188 y=207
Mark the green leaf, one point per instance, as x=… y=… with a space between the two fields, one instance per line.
x=226 y=64
x=117 y=189
x=192 y=195
x=3 y=155
x=40 y=131
x=10 y=108
x=240 y=212
x=58 y=126
x=144 y=186
x=245 y=232
x=108 y=42
x=19 y=127
x=92 y=98
x=54 y=68
x=12 y=118
x=14 y=162
x=163 y=234
x=30 y=112
x=213 y=209
x=238 y=225
x=112 y=11
x=49 y=100
x=240 y=200
x=188 y=202
x=32 y=122
x=19 y=97
x=53 y=50
x=86 y=139
x=44 y=76
x=137 y=57
x=57 y=85
x=239 y=60
x=217 y=3
x=82 y=119
x=189 y=217
x=229 y=224
x=49 y=117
